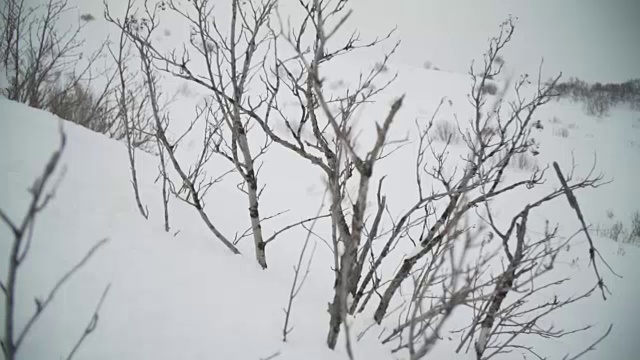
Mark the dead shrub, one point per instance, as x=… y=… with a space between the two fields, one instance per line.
x=87 y=17
x=618 y=232
x=490 y=88
x=634 y=234
x=446 y=132
x=523 y=161
x=562 y=132
x=598 y=104
x=77 y=103
x=488 y=132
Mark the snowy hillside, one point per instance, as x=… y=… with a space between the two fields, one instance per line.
x=466 y=240
x=184 y=296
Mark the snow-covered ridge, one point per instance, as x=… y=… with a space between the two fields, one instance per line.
x=185 y=297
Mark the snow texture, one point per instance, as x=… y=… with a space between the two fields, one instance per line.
x=182 y=295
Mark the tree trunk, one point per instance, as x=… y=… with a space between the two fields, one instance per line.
x=252 y=190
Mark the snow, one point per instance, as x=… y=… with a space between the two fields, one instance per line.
x=185 y=296
x=182 y=295
x=340 y=248
x=416 y=250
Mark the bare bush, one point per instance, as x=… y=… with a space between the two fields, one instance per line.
x=618 y=232
x=610 y=214
x=36 y=50
x=490 y=88
x=248 y=35
x=87 y=17
x=47 y=66
x=486 y=162
x=78 y=103
x=195 y=181
x=447 y=132
x=523 y=161
x=250 y=38
x=598 y=104
x=328 y=119
x=613 y=232
x=634 y=234
x=562 y=132
x=598 y=98
x=133 y=114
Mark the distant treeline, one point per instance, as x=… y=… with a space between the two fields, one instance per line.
x=599 y=98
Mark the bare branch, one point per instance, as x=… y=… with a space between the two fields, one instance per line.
x=295 y=287
x=42 y=304
x=573 y=202
x=291 y=226
x=91 y=326
x=591 y=347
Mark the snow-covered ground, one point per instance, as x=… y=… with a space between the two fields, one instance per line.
x=182 y=295
x=185 y=296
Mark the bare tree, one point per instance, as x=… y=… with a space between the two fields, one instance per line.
x=331 y=146
x=41 y=195
x=195 y=182
x=489 y=155
x=497 y=323
x=132 y=105
x=232 y=61
x=331 y=149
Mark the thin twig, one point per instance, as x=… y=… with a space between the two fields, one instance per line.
x=91 y=326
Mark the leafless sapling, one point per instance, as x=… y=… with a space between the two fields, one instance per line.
x=195 y=181
x=132 y=110
x=232 y=60
x=489 y=153
x=328 y=121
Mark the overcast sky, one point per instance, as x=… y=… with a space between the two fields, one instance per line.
x=596 y=40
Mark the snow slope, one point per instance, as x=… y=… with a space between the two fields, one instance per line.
x=172 y=297
x=185 y=296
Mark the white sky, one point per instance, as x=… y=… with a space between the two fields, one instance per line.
x=596 y=40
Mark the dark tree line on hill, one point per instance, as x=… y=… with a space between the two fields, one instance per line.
x=599 y=98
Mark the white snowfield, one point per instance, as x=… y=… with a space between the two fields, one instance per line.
x=185 y=296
